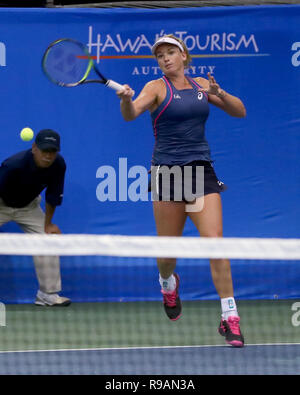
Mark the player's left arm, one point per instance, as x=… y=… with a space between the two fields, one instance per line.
x=232 y=105
x=54 y=197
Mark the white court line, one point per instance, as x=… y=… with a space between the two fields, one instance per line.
x=146 y=348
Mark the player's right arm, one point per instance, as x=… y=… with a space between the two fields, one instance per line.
x=146 y=100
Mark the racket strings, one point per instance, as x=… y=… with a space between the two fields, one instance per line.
x=67 y=63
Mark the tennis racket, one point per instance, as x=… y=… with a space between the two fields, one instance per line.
x=67 y=62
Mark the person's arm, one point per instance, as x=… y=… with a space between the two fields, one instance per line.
x=54 y=196
x=132 y=109
x=232 y=105
x=50 y=228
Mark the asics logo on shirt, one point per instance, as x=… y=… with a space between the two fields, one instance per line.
x=200 y=95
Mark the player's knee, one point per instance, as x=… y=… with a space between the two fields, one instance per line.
x=213 y=233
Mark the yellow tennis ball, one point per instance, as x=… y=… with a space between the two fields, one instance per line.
x=26 y=134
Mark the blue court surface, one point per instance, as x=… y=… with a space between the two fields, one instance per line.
x=272 y=359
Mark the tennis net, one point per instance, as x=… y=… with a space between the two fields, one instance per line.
x=116 y=324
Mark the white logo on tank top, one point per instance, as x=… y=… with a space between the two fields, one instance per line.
x=200 y=95
x=176 y=96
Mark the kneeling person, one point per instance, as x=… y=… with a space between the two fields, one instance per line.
x=23 y=177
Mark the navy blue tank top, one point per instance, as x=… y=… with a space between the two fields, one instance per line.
x=179 y=126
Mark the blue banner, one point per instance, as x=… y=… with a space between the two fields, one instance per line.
x=253 y=52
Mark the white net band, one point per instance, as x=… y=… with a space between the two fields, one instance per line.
x=149 y=246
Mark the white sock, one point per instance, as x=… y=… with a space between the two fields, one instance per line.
x=168 y=284
x=229 y=308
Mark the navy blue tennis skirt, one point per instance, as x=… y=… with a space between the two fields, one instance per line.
x=184 y=183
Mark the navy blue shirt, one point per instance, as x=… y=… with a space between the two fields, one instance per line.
x=179 y=126
x=21 y=181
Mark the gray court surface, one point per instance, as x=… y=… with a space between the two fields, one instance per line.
x=138 y=339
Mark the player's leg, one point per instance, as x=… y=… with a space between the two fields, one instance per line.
x=210 y=224
x=170 y=218
x=32 y=220
x=5 y=213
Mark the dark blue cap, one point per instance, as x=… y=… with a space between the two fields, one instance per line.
x=48 y=139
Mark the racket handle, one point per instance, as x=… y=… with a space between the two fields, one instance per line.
x=114 y=85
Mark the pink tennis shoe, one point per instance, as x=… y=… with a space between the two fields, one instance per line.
x=231 y=330
x=172 y=303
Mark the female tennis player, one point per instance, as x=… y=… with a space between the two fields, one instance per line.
x=179 y=108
